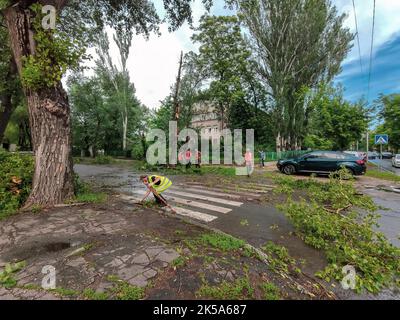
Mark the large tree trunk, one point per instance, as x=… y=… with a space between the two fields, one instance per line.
x=124 y=129
x=49 y=117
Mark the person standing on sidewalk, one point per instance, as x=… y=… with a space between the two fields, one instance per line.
x=248 y=157
x=198 y=158
x=262 y=157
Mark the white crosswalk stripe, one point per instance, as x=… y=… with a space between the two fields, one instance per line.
x=227 y=191
x=182 y=211
x=249 y=191
x=195 y=214
x=213 y=200
x=214 y=193
x=205 y=198
x=191 y=203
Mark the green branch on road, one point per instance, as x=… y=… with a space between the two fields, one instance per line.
x=323 y=219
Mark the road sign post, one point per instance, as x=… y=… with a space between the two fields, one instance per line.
x=367 y=146
x=381 y=139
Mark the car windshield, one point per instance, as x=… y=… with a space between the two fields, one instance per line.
x=398 y=157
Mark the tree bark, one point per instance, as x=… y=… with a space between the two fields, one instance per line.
x=49 y=118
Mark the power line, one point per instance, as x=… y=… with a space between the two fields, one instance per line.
x=357 y=35
x=372 y=48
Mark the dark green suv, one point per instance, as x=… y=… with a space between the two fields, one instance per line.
x=323 y=162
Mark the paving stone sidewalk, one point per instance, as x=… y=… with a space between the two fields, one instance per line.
x=85 y=246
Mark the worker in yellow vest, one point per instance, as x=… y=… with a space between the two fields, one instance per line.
x=156 y=185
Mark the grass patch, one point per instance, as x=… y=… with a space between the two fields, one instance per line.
x=97 y=160
x=85 y=194
x=65 y=292
x=7 y=279
x=182 y=170
x=330 y=220
x=279 y=258
x=91 y=198
x=270 y=291
x=221 y=171
x=90 y=294
x=383 y=175
x=124 y=291
x=222 y=242
x=240 y=289
x=179 y=262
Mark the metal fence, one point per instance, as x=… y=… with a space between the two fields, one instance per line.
x=274 y=156
x=270 y=156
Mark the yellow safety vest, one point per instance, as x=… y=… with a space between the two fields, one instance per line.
x=165 y=183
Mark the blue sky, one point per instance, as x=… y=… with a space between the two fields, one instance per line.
x=153 y=63
x=385 y=74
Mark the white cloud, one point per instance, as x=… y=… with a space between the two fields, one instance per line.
x=386 y=23
x=153 y=63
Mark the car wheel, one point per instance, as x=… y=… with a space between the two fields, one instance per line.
x=289 y=169
x=350 y=172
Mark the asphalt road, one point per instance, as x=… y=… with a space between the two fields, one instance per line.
x=387 y=165
x=249 y=220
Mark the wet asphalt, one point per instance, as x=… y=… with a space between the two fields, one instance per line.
x=259 y=224
x=386 y=165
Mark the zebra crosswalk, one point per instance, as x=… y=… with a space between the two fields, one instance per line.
x=200 y=202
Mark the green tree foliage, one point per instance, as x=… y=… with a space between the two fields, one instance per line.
x=10 y=90
x=390 y=114
x=18 y=131
x=96 y=116
x=335 y=123
x=224 y=74
x=15 y=181
x=224 y=58
x=89 y=113
x=163 y=115
x=55 y=53
x=299 y=44
x=43 y=57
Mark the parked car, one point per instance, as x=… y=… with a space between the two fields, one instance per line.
x=358 y=154
x=387 y=155
x=373 y=155
x=396 y=161
x=323 y=162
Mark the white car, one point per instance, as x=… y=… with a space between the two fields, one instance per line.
x=396 y=161
x=357 y=154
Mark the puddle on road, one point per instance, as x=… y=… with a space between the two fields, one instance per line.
x=39 y=248
x=57 y=246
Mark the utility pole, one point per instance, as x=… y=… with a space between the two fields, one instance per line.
x=177 y=89
x=367 y=145
x=176 y=103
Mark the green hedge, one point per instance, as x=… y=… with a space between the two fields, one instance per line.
x=13 y=194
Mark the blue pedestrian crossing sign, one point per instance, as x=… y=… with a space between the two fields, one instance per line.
x=381 y=139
